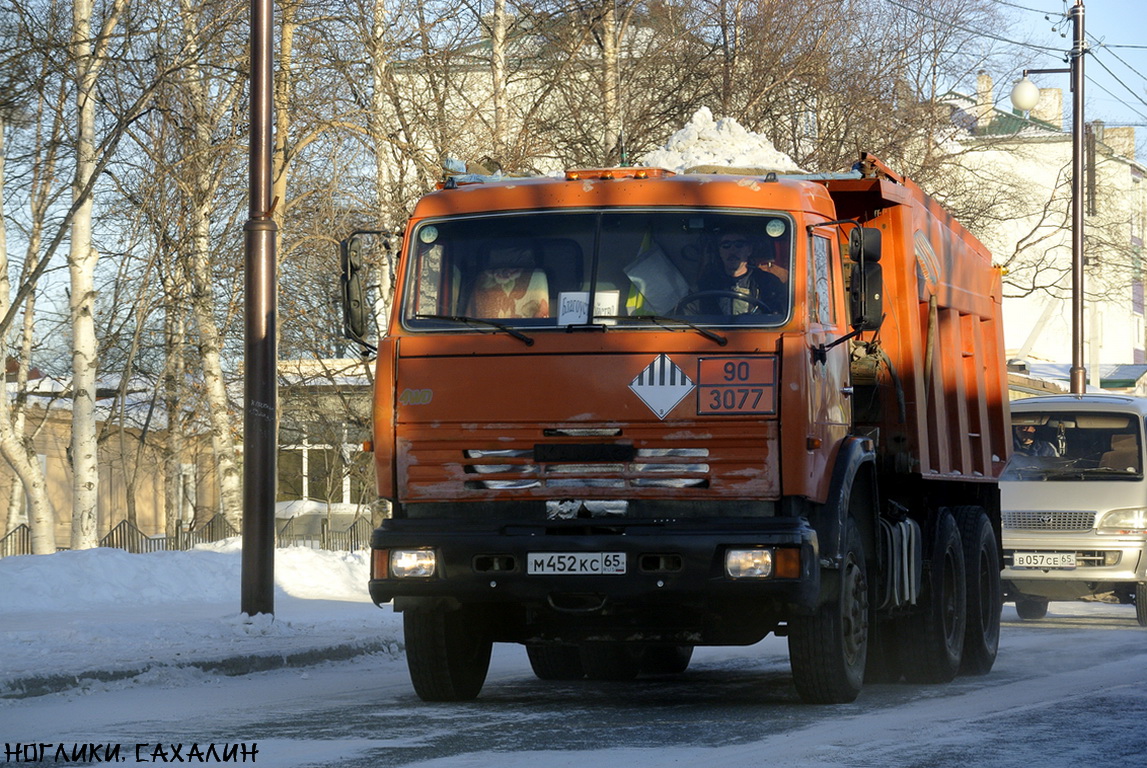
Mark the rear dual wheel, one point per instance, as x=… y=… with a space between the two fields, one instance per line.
x=933 y=639
x=984 y=591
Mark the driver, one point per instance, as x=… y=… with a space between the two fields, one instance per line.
x=735 y=270
x=1025 y=442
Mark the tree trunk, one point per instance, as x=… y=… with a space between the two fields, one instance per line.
x=202 y=186
x=82 y=259
x=611 y=86
x=498 y=75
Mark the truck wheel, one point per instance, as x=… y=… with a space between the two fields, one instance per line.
x=828 y=650
x=555 y=662
x=1141 y=603
x=983 y=590
x=447 y=652
x=883 y=664
x=667 y=659
x=1031 y=608
x=610 y=661
x=934 y=641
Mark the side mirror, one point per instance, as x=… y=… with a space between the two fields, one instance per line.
x=866 y=288
x=353 y=293
x=864 y=245
x=866 y=296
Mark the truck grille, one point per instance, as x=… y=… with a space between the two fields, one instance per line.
x=1048 y=520
x=649 y=468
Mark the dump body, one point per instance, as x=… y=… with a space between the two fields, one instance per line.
x=597 y=430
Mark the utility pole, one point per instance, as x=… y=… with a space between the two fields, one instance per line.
x=260 y=392
x=1025 y=95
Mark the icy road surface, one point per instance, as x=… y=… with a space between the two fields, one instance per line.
x=1069 y=690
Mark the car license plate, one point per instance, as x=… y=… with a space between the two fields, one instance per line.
x=1043 y=560
x=575 y=563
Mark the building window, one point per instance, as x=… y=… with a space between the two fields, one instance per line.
x=328 y=472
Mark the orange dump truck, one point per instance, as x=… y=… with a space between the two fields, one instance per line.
x=627 y=412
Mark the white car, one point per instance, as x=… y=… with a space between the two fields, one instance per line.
x=1074 y=502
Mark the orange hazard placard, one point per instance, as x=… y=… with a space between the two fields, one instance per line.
x=736 y=385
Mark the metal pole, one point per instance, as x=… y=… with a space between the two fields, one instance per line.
x=1078 y=373
x=260 y=351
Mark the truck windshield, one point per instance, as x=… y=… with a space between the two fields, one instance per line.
x=1061 y=445
x=536 y=269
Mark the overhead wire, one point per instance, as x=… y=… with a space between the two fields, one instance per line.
x=1095 y=46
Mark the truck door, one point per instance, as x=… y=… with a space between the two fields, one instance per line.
x=829 y=409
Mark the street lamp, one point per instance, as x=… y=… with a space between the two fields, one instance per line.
x=1025 y=95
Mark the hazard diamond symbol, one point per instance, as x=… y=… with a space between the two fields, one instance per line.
x=662 y=385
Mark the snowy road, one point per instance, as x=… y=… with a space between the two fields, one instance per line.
x=1068 y=690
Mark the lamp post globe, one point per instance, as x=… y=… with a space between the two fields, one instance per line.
x=1025 y=95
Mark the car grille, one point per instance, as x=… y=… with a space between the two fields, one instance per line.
x=1048 y=520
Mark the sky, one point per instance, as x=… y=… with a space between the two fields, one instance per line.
x=1115 y=70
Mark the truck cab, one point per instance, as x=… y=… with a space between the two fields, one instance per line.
x=625 y=412
x=1074 y=501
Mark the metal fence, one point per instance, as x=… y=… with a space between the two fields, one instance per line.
x=354 y=537
x=17 y=542
x=128 y=537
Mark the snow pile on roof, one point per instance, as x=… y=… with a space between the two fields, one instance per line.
x=705 y=141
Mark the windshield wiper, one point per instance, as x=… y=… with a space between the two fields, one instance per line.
x=480 y=321
x=669 y=322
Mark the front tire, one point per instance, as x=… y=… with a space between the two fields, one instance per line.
x=983 y=591
x=555 y=662
x=1031 y=608
x=667 y=659
x=447 y=653
x=1141 y=603
x=610 y=661
x=828 y=649
x=934 y=642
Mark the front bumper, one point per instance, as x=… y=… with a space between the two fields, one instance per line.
x=670 y=567
x=1101 y=563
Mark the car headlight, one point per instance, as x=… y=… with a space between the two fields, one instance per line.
x=1124 y=521
x=749 y=563
x=413 y=563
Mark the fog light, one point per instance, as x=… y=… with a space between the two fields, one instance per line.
x=1111 y=557
x=749 y=563
x=412 y=563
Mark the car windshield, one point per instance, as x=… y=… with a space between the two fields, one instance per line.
x=637 y=268
x=1063 y=445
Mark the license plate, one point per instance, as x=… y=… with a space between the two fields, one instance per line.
x=575 y=563
x=1043 y=560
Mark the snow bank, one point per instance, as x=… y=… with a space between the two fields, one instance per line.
x=725 y=142
x=102 y=612
x=93 y=578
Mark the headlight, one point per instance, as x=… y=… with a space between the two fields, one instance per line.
x=413 y=563
x=749 y=563
x=1124 y=521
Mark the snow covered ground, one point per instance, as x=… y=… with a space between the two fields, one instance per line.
x=151 y=650
x=105 y=613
